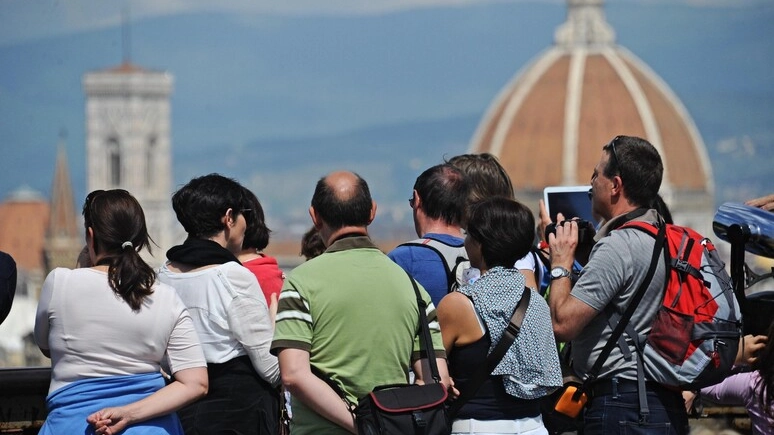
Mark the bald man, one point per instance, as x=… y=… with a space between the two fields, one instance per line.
x=350 y=313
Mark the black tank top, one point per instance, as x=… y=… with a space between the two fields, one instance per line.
x=491 y=401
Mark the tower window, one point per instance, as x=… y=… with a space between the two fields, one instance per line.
x=114 y=161
x=150 y=151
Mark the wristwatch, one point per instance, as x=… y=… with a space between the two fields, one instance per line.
x=559 y=272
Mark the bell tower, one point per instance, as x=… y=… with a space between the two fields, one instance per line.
x=128 y=143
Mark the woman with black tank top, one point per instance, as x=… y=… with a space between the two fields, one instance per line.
x=472 y=320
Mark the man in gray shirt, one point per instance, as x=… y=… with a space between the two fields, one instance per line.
x=624 y=184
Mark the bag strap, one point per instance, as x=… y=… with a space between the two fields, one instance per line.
x=425 y=340
x=494 y=358
x=627 y=314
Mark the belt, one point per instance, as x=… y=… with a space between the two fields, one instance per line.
x=608 y=387
x=497 y=426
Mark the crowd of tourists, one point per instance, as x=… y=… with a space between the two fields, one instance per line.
x=219 y=340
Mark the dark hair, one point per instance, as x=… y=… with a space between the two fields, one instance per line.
x=444 y=192
x=337 y=212
x=662 y=208
x=504 y=228
x=119 y=234
x=201 y=204
x=312 y=244
x=257 y=233
x=638 y=164
x=765 y=366
x=486 y=176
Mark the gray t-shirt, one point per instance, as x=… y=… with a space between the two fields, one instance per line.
x=616 y=267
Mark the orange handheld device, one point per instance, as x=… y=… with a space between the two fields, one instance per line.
x=572 y=401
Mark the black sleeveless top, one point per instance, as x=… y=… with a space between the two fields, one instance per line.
x=491 y=401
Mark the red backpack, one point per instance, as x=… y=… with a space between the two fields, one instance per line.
x=695 y=335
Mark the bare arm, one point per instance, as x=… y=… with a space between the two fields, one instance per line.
x=568 y=314
x=189 y=385
x=298 y=378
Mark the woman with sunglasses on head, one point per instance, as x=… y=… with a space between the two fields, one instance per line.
x=228 y=309
x=474 y=318
x=108 y=328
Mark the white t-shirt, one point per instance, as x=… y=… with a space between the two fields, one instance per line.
x=92 y=332
x=230 y=314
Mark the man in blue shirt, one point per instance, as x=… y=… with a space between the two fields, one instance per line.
x=438 y=201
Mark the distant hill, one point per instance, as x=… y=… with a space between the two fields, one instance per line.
x=278 y=101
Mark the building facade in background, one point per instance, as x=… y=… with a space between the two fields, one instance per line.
x=128 y=143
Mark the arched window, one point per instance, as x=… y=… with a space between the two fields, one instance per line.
x=150 y=152
x=114 y=161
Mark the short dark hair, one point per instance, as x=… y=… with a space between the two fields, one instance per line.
x=200 y=204
x=638 y=164
x=444 y=192
x=312 y=244
x=337 y=212
x=256 y=233
x=505 y=229
x=119 y=234
x=485 y=175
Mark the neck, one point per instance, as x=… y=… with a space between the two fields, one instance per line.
x=440 y=227
x=333 y=235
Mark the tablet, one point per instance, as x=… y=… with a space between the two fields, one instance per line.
x=570 y=201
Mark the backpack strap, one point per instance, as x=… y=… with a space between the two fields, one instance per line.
x=452 y=256
x=624 y=322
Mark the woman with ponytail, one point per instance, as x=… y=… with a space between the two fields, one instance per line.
x=108 y=330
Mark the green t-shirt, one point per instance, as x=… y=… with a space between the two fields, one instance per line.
x=356 y=313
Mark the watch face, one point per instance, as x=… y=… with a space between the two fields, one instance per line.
x=559 y=272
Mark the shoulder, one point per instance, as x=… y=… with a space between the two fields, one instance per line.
x=453 y=303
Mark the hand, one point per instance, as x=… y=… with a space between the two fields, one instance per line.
x=766 y=202
x=564 y=242
x=689 y=397
x=109 y=421
x=543 y=220
x=748 y=348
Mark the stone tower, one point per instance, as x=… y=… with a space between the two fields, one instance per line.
x=128 y=142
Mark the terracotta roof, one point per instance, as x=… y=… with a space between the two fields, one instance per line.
x=549 y=124
x=22 y=232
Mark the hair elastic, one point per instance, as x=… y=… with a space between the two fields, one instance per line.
x=127 y=243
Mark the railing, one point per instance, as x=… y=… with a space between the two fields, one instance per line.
x=23 y=394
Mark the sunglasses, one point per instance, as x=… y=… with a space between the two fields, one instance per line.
x=611 y=146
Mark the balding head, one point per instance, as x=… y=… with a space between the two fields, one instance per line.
x=342 y=199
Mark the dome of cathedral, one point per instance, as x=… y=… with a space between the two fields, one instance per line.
x=548 y=125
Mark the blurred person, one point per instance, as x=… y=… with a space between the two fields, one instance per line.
x=473 y=320
x=228 y=308
x=752 y=389
x=312 y=244
x=108 y=330
x=7 y=284
x=264 y=267
x=438 y=207
x=350 y=314
x=486 y=178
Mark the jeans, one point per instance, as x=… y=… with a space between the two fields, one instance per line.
x=620 y=414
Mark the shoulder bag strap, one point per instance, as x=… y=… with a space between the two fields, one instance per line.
x=494 y=358
x=627 y=315
x=425 y=340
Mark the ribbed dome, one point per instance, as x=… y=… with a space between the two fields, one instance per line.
x=548 y=125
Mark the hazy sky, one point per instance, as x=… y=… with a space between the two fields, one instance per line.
x=22 y=20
